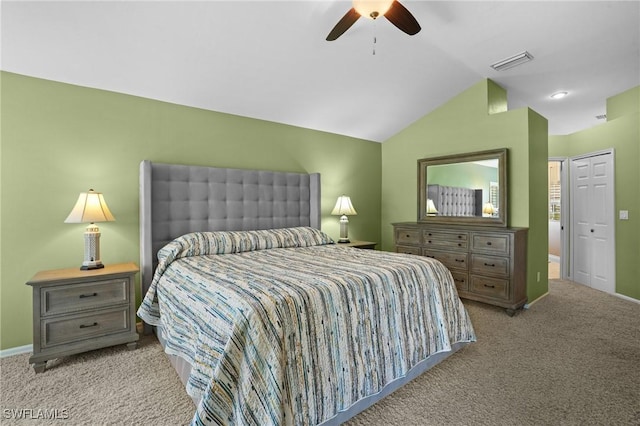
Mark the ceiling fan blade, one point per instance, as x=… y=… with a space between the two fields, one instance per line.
x=344 y=24
x=399 y=16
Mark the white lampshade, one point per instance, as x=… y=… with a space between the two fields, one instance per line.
x=488 y=209
x=90 y=208
x=431 y=208
x=372 y=8
x=344 y=207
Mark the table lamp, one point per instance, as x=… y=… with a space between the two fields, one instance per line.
x=344 y=208
x=91 y=208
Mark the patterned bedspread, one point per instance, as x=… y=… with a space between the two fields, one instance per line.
x=284 y=327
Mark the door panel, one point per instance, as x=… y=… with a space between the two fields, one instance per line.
x=593 y=221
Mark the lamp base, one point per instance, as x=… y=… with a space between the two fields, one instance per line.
x=92 y=265
x=343 y=241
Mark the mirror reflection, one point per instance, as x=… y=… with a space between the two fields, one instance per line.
x=464 y=188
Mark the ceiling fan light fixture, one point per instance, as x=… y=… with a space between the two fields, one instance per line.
x=372 y=8
x=512 y=61
x=559 y=95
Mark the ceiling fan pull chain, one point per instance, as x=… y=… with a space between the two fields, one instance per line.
x=374 y=37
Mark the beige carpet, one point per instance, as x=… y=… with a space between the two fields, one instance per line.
x=572 y=359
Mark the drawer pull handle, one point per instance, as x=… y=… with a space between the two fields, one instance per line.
x=459 y=244
x=460 y=236
x=459 y=280
x=488 y=243
x=432 y=257
x=95 y=324
x=490 y=286
x=493 y=265
x=82 y=296
x=407 y=236
x=460 y=260
x=429 y=241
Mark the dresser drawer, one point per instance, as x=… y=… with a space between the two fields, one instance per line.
x=67 y=329
x=492 y=287
x=409 y=250
x=408 y=236
x=78 y=297
x=461 y=279
x=451 y=260
x=446 y=240
x=490 y=265
x=490 y=243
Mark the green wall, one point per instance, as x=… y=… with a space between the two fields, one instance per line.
x=59 y=140
x=621 y=132
x=476 y=120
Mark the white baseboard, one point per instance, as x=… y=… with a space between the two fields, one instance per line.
x=16 y=351
x=528 y=305
x=630 y=299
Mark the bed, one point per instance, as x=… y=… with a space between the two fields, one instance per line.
x=455 y=201
x=265 y=319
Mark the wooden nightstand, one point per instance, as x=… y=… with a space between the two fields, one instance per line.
x=360 y=244
x=77 y=311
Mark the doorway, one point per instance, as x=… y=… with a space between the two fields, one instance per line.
x=593 y=220
x=557 y=216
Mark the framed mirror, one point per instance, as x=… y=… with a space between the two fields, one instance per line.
x=466 y=188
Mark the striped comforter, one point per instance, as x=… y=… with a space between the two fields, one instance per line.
x=284 y=327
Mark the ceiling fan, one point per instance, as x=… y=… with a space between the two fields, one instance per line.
x=396 y=13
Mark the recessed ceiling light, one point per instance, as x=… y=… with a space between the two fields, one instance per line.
x=559 y=95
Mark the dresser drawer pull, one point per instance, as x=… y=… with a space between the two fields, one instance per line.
x=83 y=296
x=490 y=286
x=95 y=324
x=408 y=236
x=429 y=241
x=432 y=257
x=459 y=244
x=488 y=243
x=460 y=260
x=460 y=280
x=493 y=265
x=459 y=236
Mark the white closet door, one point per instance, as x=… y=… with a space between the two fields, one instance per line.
x=593 y=212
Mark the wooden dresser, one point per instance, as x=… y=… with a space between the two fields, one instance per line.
x=487 y=264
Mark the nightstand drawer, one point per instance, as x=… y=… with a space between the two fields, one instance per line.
x=78 y=297
x=69 y=329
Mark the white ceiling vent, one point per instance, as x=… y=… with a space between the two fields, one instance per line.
x=512 y=61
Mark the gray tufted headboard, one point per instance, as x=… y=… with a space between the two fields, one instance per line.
x=455 y=201
x=178 y=199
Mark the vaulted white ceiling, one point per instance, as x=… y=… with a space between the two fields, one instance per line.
x=269 y=59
